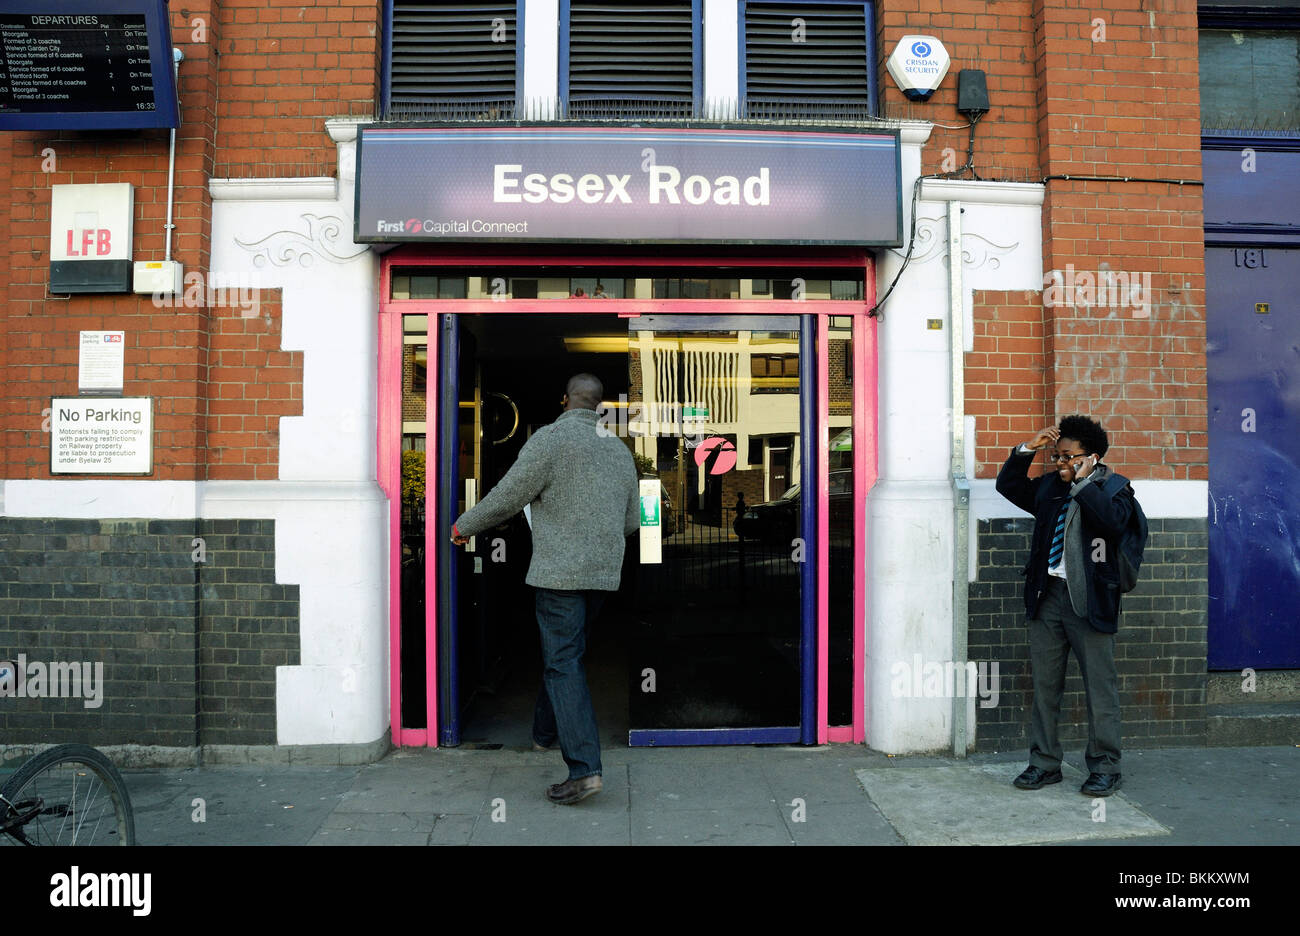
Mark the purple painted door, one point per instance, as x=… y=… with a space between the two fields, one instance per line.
x=1253 y=361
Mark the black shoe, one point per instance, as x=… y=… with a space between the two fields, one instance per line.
x=1034 y=777
x=1100 y=784
x=573 y=791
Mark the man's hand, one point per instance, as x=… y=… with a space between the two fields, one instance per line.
x=1048 y=436
x=457 y=538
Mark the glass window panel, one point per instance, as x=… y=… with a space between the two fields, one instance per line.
x=416 y=284
x=719 y=617
x=451 y=287
x=849 y=290
x=423 y=287
x=840 y=528
x=1250 y=79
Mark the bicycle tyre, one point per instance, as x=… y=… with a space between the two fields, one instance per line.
x=27 y=780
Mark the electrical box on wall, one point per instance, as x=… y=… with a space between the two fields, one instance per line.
x=158 y=277
x=90 y=238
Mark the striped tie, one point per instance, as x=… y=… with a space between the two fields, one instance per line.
x=1058 y=538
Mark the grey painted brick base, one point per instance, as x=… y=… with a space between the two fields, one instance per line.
x=1160 y=652
x=130 y=756
x=188 y=648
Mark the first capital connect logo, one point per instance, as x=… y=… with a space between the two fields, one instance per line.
x=409 y=226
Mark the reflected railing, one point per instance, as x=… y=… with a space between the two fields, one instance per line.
x=706 y=553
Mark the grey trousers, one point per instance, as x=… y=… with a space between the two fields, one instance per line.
x=1052 y=635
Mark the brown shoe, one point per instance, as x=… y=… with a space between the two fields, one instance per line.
x=573 y=791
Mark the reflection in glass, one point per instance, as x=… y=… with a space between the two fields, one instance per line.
x=840 y=524
x=718 y=620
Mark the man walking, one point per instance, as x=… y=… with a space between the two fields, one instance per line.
x=1071 y=593
x=581 y=483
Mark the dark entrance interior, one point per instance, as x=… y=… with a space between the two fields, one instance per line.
x=702 y=643
x=513 y=370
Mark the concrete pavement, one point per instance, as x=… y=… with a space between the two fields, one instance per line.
x=776 y=795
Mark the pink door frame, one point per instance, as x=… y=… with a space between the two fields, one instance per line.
x=865 y=428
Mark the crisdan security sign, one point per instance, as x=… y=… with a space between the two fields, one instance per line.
x=918 y=66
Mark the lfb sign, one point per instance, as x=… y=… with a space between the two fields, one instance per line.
x=918 y=66
x=90 y=237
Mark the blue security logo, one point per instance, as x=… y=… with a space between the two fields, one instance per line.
x=921 y=49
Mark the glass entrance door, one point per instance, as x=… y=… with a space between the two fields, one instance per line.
x=716 y=609
x=718 y=631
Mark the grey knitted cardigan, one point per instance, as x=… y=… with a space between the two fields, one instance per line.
x=582 y=485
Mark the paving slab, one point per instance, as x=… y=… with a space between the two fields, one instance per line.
x=524 y=788
x=452 y=830
x=1220 y=796
x=418 y=788
x=975 y=804
x=814 y=780
x=841 y=824
x=265 y=804
x=549 y=824
x=669 y=825
x=685 y=786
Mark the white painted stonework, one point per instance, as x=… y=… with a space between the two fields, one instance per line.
x=910 y=511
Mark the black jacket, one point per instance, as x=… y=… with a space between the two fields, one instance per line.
x=1101 y=516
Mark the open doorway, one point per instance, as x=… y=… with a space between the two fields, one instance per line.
x=705 y=641
x=512 y=375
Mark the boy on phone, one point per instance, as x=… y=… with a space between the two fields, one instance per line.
x=1071 y=593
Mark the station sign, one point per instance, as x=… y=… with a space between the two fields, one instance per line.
x=627 y=185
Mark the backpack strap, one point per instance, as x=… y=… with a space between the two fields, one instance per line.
x=1114 y=483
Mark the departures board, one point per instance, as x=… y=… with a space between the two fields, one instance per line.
x=106 y=69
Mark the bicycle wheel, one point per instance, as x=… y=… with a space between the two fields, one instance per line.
x=70 y=794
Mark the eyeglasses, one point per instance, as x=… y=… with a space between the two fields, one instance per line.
x=1064 y=456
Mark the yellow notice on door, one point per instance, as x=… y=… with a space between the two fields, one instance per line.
x=651 y=523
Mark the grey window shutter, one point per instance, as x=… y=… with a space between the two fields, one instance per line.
x=630 y=60
x=817 y=69
x=445 y=62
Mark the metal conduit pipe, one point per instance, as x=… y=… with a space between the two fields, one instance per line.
x=960 y=486
x=177 y=57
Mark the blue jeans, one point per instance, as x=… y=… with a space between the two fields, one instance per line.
x=564 y=709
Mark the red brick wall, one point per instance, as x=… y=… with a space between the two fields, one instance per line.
x=285 y=67
x=1005 y=387
x=251 y=384
x=1109 y=89
x=219 y=380
x=996 y=37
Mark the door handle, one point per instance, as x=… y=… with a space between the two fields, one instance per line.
x=471 y=498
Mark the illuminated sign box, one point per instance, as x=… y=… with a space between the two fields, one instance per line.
x=86 y=65
x=627 y=185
